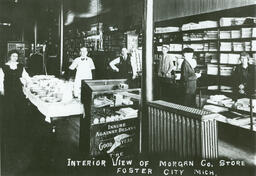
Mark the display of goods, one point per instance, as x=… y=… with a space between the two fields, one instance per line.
x=50 y=89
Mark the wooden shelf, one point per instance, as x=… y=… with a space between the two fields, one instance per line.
x=167 y=43
x=237 y=27
x=237 y=52
x=237 y=39
x=201 y=41
x=223 y=64
x=176 y=32
x=200 y=30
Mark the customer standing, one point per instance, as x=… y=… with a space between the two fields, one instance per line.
x=84 y=66
x=166 y=64
x=167 y=90
x=35 y=63
x=189 y=78
x=14 y=99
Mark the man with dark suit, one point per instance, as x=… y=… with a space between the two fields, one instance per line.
x=189 y=78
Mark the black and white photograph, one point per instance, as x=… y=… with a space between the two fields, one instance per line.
x=128 y=87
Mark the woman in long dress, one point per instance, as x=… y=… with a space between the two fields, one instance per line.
x=11 y=89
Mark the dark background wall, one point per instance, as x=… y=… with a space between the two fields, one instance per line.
x=122 y=13
x=169 y=9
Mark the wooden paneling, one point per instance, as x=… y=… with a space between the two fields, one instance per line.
x=185 y=131
x=169 y=9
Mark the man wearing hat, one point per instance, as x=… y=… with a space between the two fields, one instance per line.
x=166 y=65
x=189 y=77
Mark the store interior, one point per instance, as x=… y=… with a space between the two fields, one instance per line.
x=144 y=110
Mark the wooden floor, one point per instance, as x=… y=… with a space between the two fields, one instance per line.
x=32 y=150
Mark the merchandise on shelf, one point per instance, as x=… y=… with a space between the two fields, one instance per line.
x=238 y=46
x=226 y=89
x=175 y=47
x=244 y=104
x=166 y=29
x=115 y=100
x=111 y=120
x=211 y=35
x=226 y=70
x=235 y=34
x=213 y=87
x=128 y=113
x=224 y=58
x=240 y=104
x=211 y=57
x=200 y=25
x=159 y=48
x=208 y=24
x=225 y=34
x=253 y=48
x=221 y=100
x=218 y=49
x=197 y=36
x=246 y=32
x=206 y=46
x=212 y=69
x=225 y=46
x=229 y=58
x=195 y=46
x=102 y=101
x=215 y=109
x=234 y=21
x=247 y=46
x=253 y=32
x=213 y=46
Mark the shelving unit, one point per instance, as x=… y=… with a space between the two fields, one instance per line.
x=216 y=63
x=114 y=41
x=203 y=46
x=105 y=128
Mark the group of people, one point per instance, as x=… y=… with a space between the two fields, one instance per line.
x=12 y=70
x=243 y=74
x=125 y=66
x=168 y=66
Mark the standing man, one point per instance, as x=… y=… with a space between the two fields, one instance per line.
x=35 y=63
x=84 y=66
x=189 y=77
x=166 y=65
x=124 y=65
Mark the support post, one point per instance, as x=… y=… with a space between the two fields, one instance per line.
x=61 y=27
x=147 y=74
x=35 y=36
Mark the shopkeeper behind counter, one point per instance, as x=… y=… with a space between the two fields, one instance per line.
x=84 y=69
x=125 y=65
x=243 y=76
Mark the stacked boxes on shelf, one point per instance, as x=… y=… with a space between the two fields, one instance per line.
x=218 y=47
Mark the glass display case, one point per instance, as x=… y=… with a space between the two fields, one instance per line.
x=110 y=125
